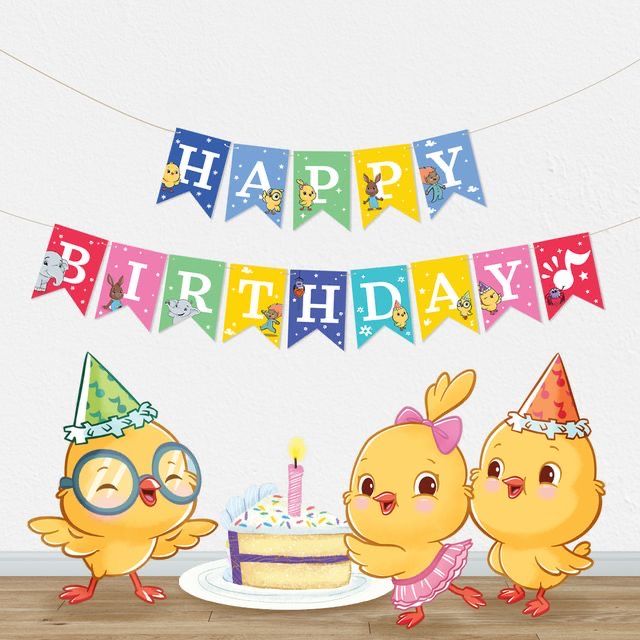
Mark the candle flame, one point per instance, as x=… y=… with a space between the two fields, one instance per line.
x=297 y=448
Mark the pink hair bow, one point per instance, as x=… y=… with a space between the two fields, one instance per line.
x=446 y=431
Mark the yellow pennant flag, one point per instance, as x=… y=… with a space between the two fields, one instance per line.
x=444 y=289
x=255 y=298
x=385 y=178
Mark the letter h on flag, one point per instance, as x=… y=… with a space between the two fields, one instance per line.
x=317 y=301
x=195 y=165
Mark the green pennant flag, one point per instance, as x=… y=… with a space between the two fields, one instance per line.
x=322 y=182
x=192 y=289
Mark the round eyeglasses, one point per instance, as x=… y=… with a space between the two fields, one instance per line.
x=106 y=482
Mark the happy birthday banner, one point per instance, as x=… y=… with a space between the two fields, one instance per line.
x=471 y=290
x=384 y=176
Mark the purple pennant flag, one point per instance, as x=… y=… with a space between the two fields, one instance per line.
x=317 y=301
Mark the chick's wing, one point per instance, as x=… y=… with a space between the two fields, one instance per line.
x=183 y=537
x=377 y=560
x=57 y=532
x=557 y=560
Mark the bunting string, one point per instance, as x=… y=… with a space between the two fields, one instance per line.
x=161 y=128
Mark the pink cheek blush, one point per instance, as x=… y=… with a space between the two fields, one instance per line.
x=360 y=503
x=547 y=492
x=492 y=485
x=424 y=505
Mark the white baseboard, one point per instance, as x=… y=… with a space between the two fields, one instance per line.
x=53 y=563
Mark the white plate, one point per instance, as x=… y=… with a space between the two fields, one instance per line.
x=207 y=582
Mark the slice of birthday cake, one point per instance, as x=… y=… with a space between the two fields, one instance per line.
x=275 y=545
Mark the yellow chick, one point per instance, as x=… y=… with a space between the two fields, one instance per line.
x=399 y=316
x=171 y=177
x=306 y=194
x=123 y=499
x=408 y=494
x=272 y=200
x=536 y=491
x=464 y=306
x=489 y=298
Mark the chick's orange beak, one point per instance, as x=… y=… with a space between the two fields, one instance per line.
x=147 y=490
x=515 y=486
x=387 y=502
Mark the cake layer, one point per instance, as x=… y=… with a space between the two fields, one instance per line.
x=296 y=576
x=328 y=544
x=307 y=561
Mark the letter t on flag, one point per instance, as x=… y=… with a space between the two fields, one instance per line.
x=195 y=165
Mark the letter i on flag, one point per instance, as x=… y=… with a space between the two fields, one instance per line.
x=322 y=182
x=443 y=289
x=566 y=267
x=255 y=298
x=381 y=299
x=132 y=279
x=195 y=165
x=317 y=301
x=385 y=179
x=71 y=262
x=192 y=289
x=447 y=166
x=506 y=279
x=258 y=177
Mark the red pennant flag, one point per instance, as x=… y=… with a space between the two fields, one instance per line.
x=72 y=261
x=566 y=268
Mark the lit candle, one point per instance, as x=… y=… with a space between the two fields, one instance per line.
x=296 y=470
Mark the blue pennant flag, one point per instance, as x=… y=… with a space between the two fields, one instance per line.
x=318 y=300
x=258 y=177
x=447 y=166
x=195 y=165
x=381 y=299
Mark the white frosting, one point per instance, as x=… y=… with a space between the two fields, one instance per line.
x=263 y=509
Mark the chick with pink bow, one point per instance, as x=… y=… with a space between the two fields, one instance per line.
x=408 y=495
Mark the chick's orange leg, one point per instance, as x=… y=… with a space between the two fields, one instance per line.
x=512 y=595
x=146 y=593
x=471 y=596
x=538 y=606
x=76 y=593
x=411 y=618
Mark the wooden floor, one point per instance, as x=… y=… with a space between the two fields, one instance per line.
x=583 y=608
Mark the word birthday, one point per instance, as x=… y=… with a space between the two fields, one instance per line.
x=472 y=290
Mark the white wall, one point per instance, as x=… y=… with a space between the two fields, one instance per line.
x=328 y=75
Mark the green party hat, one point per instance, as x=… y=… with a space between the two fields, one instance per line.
x=109 y=407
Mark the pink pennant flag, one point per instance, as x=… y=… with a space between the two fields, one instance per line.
x=567 y=268
x=132 y=279
x=506 y=280
x=71 y=262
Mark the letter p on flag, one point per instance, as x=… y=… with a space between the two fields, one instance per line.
x=71 y=262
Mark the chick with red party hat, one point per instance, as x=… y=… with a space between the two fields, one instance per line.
x=536 y=491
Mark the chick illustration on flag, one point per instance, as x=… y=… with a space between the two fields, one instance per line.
x=322 y=183
x=255 y=298
x=439 y=286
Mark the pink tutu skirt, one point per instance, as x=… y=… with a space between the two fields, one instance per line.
x=436 y=578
